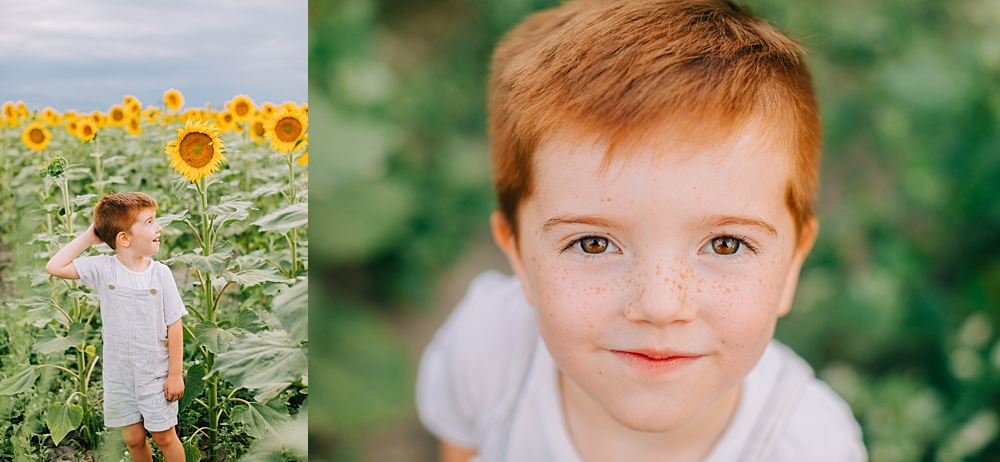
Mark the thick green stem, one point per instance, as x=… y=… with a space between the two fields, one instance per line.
x=212 y=387
x=64 y=185
x=100 y=166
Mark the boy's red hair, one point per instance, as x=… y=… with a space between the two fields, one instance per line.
x=619 y=68
x=117 y=212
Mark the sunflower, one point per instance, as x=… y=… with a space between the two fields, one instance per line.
x=197 y=151
x=36 y=136
x=22 y=110
x=242 y=108
x=173 y=99
x=267 y=109
x=86 y=129
x=256 y=129
x=133 y=126
x=132 y=106
x=285 y=129
x=304 y=108
x=225 y=120
x=151 y=114
x=10 y=113
x=51 y=116
x=99 y=120
x=72 y=125
x=117 y=116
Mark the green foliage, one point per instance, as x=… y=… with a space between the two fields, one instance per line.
x=228 y=271
x=63 y=418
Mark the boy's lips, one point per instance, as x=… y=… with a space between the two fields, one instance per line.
x=656 y=362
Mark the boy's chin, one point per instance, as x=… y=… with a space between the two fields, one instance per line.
x=652 y=419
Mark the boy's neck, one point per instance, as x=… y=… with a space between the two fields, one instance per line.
x=599 y=437
x=137 y=263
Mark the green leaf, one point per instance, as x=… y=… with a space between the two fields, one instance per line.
x=49 y=342
x=259 y=420
x=229 y=209
x=259 y=360
x=211 y=264
x=194 y=383
x=212 y=337
x=292 y=309
x=191 y=453
x=255 y=276
x=83 y=199
x=20 y=382
x=169 y=218
x=63 y=418
x=40 y=312
x=249 y=321
x=285 y=219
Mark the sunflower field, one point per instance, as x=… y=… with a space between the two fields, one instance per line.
x=231 y=185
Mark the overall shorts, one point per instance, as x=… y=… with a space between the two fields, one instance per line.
x=135 y=358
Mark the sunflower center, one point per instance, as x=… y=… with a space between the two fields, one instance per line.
x=258 y=129
x=196 y=149
x=36 y=135
x=242 y=108
x=288 y=129
x=87 y=130
x=117 y=115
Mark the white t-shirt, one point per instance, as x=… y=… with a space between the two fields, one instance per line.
x=466 y=375
x=95 y=271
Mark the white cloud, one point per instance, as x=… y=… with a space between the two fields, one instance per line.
x=49 y=48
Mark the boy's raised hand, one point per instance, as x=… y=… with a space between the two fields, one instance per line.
x=61 y=264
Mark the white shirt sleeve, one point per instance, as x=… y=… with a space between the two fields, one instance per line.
x=822 y=429
x=463 y=370
x=92 y=270
x=173 y=305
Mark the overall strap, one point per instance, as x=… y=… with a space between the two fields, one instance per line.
x=498 y=428
x=790 y=384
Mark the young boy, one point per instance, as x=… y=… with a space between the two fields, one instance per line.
x=656 y=167
x=141 y=312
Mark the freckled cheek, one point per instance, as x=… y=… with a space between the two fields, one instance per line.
x=574 y=307
x=741 y=310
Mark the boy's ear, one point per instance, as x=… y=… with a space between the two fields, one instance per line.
x=503 y=235
x=121 y=240
x=807 y=237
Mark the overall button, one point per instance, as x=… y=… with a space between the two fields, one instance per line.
x=152 y=291
x=111 y=286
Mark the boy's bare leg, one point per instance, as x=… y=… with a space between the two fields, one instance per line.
x=135 y=439
x=170 y=445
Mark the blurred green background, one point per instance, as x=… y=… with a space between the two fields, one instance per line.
x=897 y=307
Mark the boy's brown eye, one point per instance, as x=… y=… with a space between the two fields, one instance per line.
x=594 y=244
x=725 y=245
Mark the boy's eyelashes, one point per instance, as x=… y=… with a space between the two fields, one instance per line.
x=592 y=245
x=729 y=245
x=724 y=245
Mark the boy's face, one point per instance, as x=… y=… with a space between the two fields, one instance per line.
x=144 y=235
x=657 y=280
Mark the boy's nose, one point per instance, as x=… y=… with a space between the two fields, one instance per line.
x=663 y=295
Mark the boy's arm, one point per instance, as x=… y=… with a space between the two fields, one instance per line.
x=454 y=453
x=174 y=386
x=61 y=264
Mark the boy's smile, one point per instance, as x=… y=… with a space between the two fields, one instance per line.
x=657 y=277
x=144 y=235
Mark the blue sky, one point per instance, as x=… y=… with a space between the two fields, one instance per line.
x=86 y=55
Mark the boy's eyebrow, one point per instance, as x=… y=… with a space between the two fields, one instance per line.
x=744 y=220
x=581 y=220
